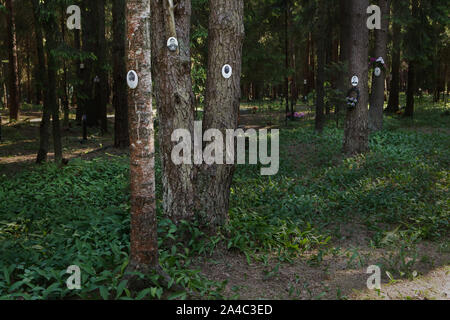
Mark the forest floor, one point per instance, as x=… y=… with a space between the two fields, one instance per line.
x=310 y=232
x=19 y=147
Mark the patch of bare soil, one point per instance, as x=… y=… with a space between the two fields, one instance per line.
x=433 y=286
x=340 y=274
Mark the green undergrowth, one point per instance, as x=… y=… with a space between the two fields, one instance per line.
x=52 y=218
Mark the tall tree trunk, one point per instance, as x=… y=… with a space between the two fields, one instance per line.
x=65 y=93
x=101 y=67
x=394 y=94
x=89 y=29
x=44 y=134
x=78 y=86
x=50 y=26
x=175 y=101
x=286 y=55
x=344 y=53
x=143 y=241
x=292 y=60
x=13 y=87
x=5 y=70
x=328 y=44
x=410 y=91
x=29 y=80
x=321 y=57
x=436 y=65
x=121 y=137
x=411 y=88
x=356 y=133
x=312 y=63
x=306 y=69
x=38 y=86
x=225 y=40
x=377 y=96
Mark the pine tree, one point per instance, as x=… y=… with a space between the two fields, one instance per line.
x=377 y=96
x=121 y=137
x=175 y=101
x=356 y=135
x=13 y=87
x=225 y=40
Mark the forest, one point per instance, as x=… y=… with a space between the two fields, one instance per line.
x=224 y=150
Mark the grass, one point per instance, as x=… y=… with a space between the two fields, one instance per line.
x=51 y=218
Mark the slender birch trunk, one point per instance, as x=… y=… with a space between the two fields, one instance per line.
x=144 y=242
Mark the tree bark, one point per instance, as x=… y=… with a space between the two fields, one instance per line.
x=344 y=53
x=409 y=110
x=356 y=138
x=101 y=68
x=394 y=94
x=38 y=87
x=411 y=88
x=312 y=63
x=96 y=113
x=175 y=101
x=144 y=241
x=120 y=103
x=292 y=59
x=44 y=134
x=286 y=56
x=306 y=69
x=13 y=87
x=321 y=57
x=78 y=86
x=50 y=26
x=225 y=40
x=85 y=99
x=328 y=45
x=28 y=64
x=377 y=96
x=65 y=93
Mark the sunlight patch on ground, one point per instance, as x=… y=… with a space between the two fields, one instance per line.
x=433 y=286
